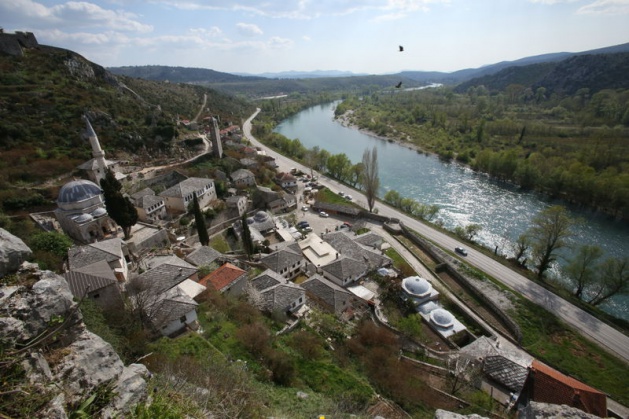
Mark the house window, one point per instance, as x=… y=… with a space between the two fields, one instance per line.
x=183 y=318
x=95 y=296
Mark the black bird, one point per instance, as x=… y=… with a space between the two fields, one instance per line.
x=401 y=48
x=397 y=86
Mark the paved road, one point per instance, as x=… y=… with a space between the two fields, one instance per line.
x=589 y=326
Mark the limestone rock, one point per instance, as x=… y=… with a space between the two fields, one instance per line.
x=13 y=252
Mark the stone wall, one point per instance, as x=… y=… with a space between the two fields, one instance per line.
x=12 y=43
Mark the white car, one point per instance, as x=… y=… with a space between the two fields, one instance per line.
x=324 y=214
x=305 y=208
x=348 y=197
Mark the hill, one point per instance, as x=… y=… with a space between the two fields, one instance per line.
x=595 y=72
x=44 y=93
x=179 y=74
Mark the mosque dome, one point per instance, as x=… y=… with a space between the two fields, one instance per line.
x=99 y=212
x=442 y=318
x=83 y=218
x=261 y=216
x=78 y=190
x=416 y=286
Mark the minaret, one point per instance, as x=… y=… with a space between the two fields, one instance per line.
x=215 y=136
x=97 y=152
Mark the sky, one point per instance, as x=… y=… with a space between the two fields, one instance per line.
x=361 y=36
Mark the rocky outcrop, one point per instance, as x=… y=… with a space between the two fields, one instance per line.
x=13 y=252
x=42 y=327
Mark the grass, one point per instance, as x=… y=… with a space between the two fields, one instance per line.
x=219 y=243
x=549 y=340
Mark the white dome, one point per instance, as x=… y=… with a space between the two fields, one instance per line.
x=78 y=190
x=416 y=286
x=442 y=318
x=99 y=212
x=83 y=218
x=261 y=216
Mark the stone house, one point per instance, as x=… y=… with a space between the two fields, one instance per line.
x=173 y=312
x=228 y=279
x=283 y=298
x=204 y=256
x=287 y=261
x=243 y=178
x=112 y=251
x=286 y=181
x=150 y=207
x=96 y=282
x=237 y=204
x=327 y=295
x=344 y=271
x=179 y=197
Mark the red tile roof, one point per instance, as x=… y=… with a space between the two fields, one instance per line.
x=548 y=385
x=222 y=277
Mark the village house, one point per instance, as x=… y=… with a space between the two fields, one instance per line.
x=283 y=298
x=287 y=261
x=227 y=279
x=112 y=251
x=179 y=197
x=286 y=181
x=204 y=256
x=237 y=204
x=328 y=296
x=96 y=282
x=243 y=178
x=150 y=207
x=344 y=271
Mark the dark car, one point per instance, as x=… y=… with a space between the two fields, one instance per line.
x=461 y=251
x=303 y=224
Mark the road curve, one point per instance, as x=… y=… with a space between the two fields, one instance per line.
x=589 y=326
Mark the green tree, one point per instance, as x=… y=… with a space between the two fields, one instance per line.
x=119 y=207
x=199 y=220
x=614 y=280
x=53 y=242
x=338 y=166
x=370 y=178
x=582 y=268
x=550 y=230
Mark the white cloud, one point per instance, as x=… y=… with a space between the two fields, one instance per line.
x=69 y=14
x=606 y=7
x=249 y=29
x=280 y=43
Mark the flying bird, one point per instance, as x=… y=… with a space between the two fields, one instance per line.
x=397 y=86
x=401 y=48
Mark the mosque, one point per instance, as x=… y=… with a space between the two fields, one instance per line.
x=81 y=209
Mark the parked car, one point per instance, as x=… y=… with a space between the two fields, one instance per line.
x=348 y=197
x=346 y=224
x=305 y=208
x=341 y=193
x=303 y=223
x=324 y=214
x=461 y=251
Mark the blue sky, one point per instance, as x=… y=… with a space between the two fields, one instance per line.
x=362 y=36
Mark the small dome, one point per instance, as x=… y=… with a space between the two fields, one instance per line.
x=250 y=220
x=416 y=285
x=261 y=216
x=99 y=212
x=442 y=318
x=78 y=190
x=83 y=218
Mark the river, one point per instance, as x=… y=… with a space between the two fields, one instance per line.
x=463 y=196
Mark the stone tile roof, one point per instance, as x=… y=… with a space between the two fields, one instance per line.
x=323 y=290
x=280 y=297
x=222 y=277
x=148 y=201
x=505 y=372
x=90 y=278
x=242 y=174
x=337 y=208
x=369 y=239
x=267 y=279
x=171 y=307
x=345 y=267
x=142 y=193
x=282 y=259
x=203 y=256
x=187 y=187
x=346 y=246
x=107 y=250
x=166 y=275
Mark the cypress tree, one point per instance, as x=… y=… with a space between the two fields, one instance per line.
x=199 y=219
x=119 y=207
x=247 y=241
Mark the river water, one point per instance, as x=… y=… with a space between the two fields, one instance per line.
x=463 y=196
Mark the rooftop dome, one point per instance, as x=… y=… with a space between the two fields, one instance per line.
x=78 y=190
x=261 y=216
x=442 y=318
x=417 y=286
x=99 y=212
x=83 y=218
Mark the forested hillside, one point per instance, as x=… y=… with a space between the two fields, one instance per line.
x=571 y=146
x=44 y=93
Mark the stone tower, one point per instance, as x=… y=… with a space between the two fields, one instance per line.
x=100 y=167
x=215 y=136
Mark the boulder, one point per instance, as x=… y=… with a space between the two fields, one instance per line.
x=13 y=252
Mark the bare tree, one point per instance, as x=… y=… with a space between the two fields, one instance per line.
x=370 y=179
x=614 y=280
